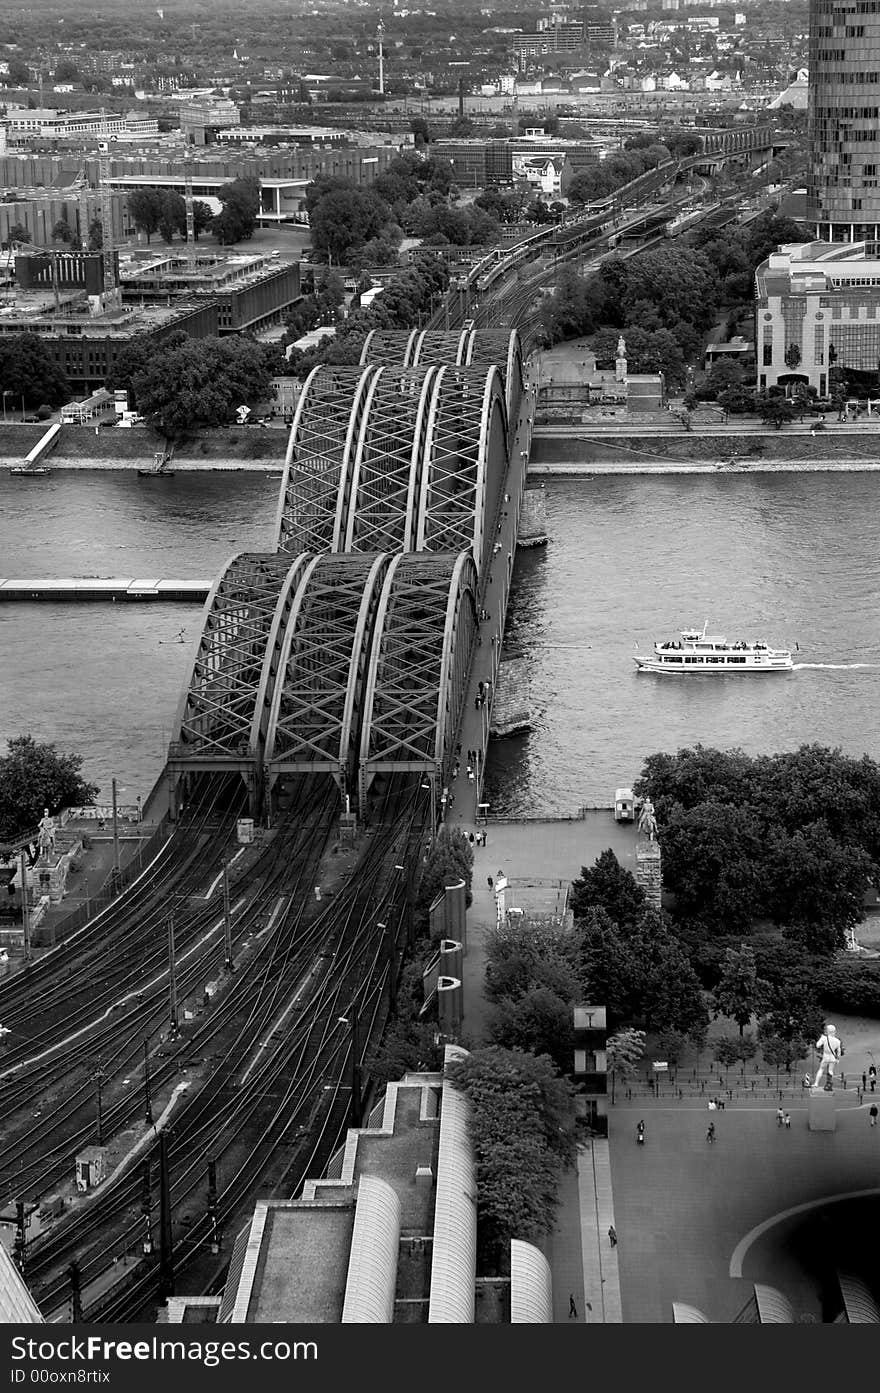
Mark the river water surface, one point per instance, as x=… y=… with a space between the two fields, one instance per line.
x=790 y=558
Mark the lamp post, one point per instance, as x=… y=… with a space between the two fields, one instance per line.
x=148 y=1098
x=25 y=907
x=354 y=1112
x=115 y=833
x=99 y=1082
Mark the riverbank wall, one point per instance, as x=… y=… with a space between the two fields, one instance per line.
x=80 y=447
x=576 y=451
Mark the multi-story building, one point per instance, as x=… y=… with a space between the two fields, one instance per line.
x=477 y=163
x=817 y=306
x=250 y=291
x=843 y=193
x=23 y=125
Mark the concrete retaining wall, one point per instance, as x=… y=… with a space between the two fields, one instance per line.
x=236 y=447
x=574 y=447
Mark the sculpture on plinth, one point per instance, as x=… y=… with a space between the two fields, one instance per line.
x=620 y=364
x=46 y=834
x=830 y=1047
x=647 y=820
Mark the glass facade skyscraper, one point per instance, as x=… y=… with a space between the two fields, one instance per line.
x=843 y=189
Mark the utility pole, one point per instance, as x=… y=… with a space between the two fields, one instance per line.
x=25 y=908
x=146 y=1206
x=172 y=981
x=379 y=33
x=115 y=835
x=166 y=1233
x=228 y=964
x=76 y=1310
x=215 y=1235
x=354 y=1111
x=148 y=1099
x=99 y=1081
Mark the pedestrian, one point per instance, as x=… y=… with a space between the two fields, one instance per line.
x=477 y=701
x=788 y=1120
x=471 y=838
x=780 y=1117
x=612 y=1235
x=490 y=881
x=864 y=1083
x=572 y=1308
x=721 y=1104
x=872 y=1113
x=480 y=686
x=872 y=1076
x=710 y=1134
x=470 y=773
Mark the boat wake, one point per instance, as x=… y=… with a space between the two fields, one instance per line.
x=834 y=667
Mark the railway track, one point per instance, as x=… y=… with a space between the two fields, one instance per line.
x=274 y=1098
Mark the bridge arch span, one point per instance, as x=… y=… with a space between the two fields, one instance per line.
x=465 y=464
x=312 y=508
x=221 y=719
x=387 y=463
x=389 y=347
x=314 y=723
x=423 y=643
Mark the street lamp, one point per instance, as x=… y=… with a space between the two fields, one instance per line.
x=354 y=1112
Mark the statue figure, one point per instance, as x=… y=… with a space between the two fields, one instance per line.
x=829 y=1044
x=620 y=364
x=647 y=820
x=47 y=833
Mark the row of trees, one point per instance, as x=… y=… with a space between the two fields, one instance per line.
x=164 y=211
x=34 y=776
x=409 y=296
x=791 y=838
x=28 y=371
x=664 y=300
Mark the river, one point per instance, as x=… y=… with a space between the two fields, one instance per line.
x=789 y=558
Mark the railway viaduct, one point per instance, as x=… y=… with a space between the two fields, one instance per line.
x=347 y=650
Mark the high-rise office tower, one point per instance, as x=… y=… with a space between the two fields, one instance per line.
x=843 y=188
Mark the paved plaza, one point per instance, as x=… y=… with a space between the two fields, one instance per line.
x=696 y=1223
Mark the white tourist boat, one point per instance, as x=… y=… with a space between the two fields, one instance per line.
x=697 y=652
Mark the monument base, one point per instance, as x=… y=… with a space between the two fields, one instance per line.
x=822 y=1113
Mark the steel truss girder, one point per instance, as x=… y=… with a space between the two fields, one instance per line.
x=441 y=347
x=316 y=708
x=222 y=715
x=314 y=491
x=391 y=348
x=387 y=465
x=421 y=654
x=502 y=347
x=465 y=464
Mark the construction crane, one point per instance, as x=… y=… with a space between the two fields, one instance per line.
x=190 y=220
x=107 y=248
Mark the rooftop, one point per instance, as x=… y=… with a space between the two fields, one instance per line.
x=801 y=267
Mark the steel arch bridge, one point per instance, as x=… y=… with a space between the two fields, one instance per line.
x=316 y=709
x=416 y=685
x=462 y=348
x=346 y=651
x=222 y=716
x=395 y=459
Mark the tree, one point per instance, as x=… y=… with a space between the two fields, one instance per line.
x=19 y=234
x=200 y=382
x=540 y=1022
x=420 y=129
x=27 y=369
x=606 y=885
x=521 y=1131
x=344 y=219
x=63 y=232
x=451 y=859
x=96 y=235
x=172 y=218
x=18 y=73
x=725 y=1051
x=202 y=217
x=623 y=1051
x=35 y=776
x=241 y=208
x=523 y=955
x=145 y=210
x=66 y=71
x=739 y=993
